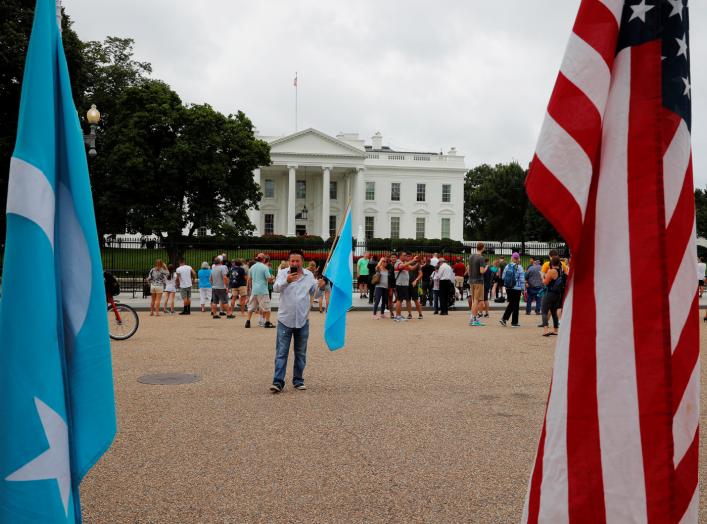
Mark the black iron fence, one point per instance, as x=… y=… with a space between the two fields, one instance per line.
x=131 y=260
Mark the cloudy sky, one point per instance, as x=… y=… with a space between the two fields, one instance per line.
x=472 y=74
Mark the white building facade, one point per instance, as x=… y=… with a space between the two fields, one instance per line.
x=393 y=193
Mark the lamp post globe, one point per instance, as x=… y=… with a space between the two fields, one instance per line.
x=93 y=115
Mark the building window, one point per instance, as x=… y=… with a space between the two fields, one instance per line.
x=420 y=192
x=369 y=227
x=446 y=192
x=201 y=232
x=301 y=189
x=332 y=226
x=420 y=227
x=269 y=225
x=395 y=191
x=269 y=188
x=394 y=227
x=370 y=190
x=445 y=227
x=300 y=230
x=333 y=187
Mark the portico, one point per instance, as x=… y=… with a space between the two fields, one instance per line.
x=393 y=193
x=312 y=178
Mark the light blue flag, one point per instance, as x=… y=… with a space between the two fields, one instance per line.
x=57 y=410
x=340 y=272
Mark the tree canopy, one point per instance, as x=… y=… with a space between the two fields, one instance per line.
x=496 y=206
x=162 y=166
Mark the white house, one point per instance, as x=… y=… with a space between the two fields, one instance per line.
x=393 y=193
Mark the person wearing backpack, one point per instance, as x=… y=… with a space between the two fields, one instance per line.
x=555 y=279
x=514 y=282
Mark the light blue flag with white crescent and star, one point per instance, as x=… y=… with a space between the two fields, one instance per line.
x=57 y=409
x=340 y=272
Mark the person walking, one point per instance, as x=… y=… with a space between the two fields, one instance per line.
x=185 y=277
x=488 y=282
x=555 y=280
x=260 y=277
x=446 y=286
x=391 y=283
x=372 y=265
x=514 y=282
x=701 y=269
x=415 y=275
x=434 y=279
x=402 y=287
x=460 y=270
x=157 y=277
x=219 y=290
x=237 y=284
x=170 y=290
x=427 y=269
x=362 y=267
x=534 y=286
x=381 y=289
x=477 y=268
x=204 y=276
x=499 y=277
x=296 y=285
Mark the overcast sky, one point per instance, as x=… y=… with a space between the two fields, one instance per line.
x=472 y=74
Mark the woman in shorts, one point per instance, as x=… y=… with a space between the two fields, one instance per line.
x=170 y=290
x=157 y=277
x=204 y=276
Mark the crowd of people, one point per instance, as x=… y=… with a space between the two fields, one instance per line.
x=226 y=287
x=402 y=282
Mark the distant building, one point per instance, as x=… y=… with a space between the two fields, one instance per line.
x=394 y=193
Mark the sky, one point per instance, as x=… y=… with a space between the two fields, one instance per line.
x=470 y=74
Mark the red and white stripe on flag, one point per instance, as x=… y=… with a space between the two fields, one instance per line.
x=613 y=173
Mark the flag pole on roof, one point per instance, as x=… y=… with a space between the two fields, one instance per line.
x=56 y=383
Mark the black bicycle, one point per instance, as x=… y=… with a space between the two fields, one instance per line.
x=122 y=319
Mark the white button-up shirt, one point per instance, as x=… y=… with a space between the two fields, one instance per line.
x=293 y=310
x=445 y=272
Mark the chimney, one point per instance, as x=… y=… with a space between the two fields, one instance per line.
x=377 y=140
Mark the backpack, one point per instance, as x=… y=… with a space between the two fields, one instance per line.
x=558 y=285
x=510 y=278
x=111 y=284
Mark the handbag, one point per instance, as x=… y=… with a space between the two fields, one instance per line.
x=376 y=278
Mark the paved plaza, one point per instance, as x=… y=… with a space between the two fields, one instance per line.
x=422 y=421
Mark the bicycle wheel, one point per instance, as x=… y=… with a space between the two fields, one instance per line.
x=122 y=322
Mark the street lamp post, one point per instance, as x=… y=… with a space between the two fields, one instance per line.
x=93 y=116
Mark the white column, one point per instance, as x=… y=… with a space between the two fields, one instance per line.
x=357 y=201
x=254 y=214
x=326 y=182
x=291 y=196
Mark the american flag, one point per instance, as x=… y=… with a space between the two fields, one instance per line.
x=295 y=81
x=613 y=173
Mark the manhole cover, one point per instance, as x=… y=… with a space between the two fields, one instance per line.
x=169 y=378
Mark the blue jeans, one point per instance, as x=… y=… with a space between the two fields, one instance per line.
x=533 y=295
x=435 y=299
x=282 y=350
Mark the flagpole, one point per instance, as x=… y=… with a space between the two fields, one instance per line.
x=338 y=232
x=296 y=89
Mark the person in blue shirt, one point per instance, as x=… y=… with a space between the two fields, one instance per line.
x=514 y=281
x=204 y=285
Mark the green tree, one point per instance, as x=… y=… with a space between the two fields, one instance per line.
x=173 y=168
x=496 y=206
x=16 y=18
x=701 y=211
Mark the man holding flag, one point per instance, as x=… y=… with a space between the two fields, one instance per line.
x=296 y=285
x=56 y=388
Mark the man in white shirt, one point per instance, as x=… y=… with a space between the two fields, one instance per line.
x=701 y=269
x=185 y=277
x=296 y=285
x=434 y=260
x=446 y=285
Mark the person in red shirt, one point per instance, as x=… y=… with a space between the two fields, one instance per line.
x=459 y=271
